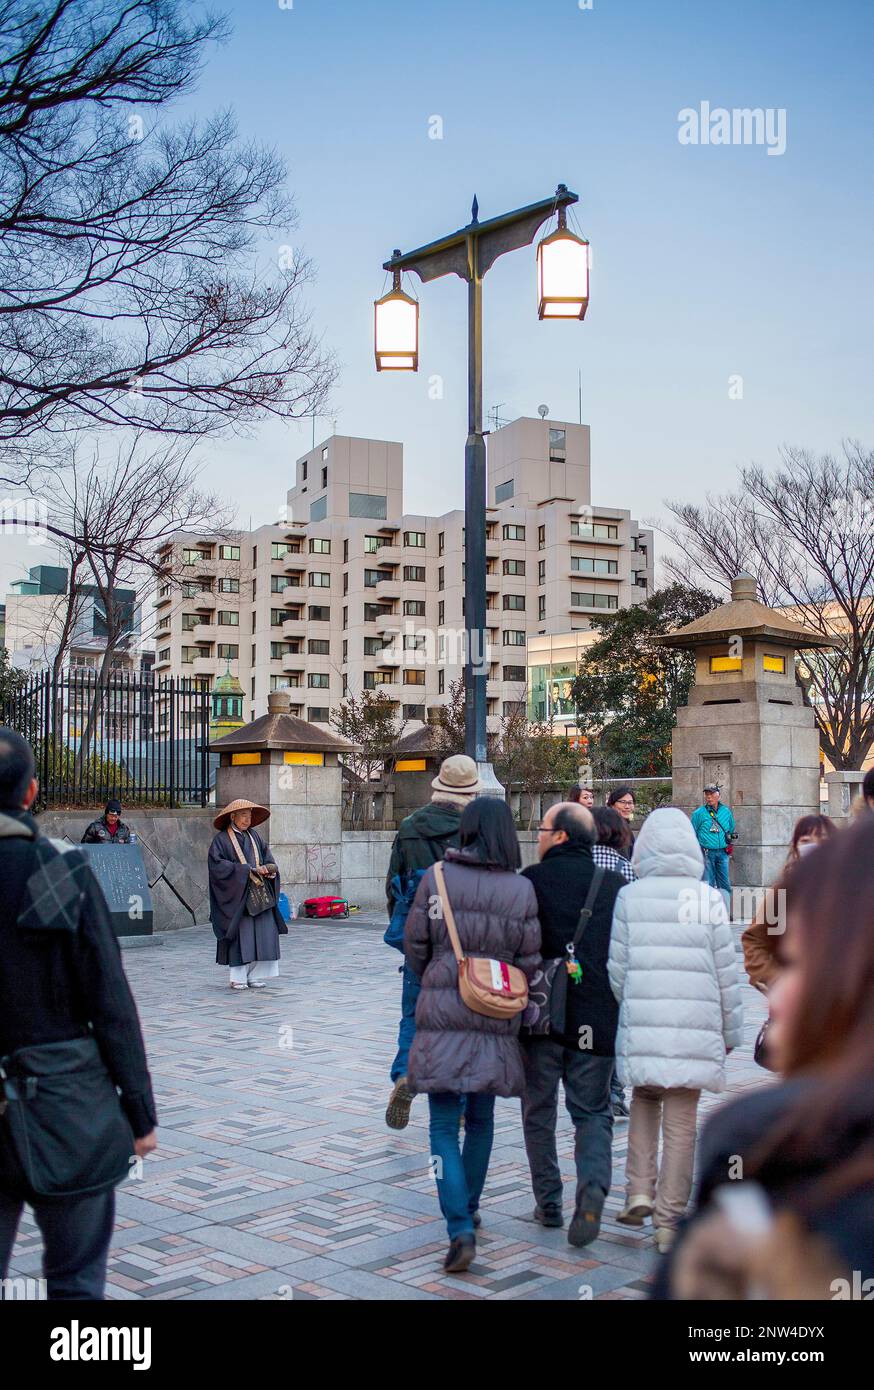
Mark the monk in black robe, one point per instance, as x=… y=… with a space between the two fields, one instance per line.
x=248 y=944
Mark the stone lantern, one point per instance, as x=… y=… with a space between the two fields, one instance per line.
x=293 y=768
x=746 y=726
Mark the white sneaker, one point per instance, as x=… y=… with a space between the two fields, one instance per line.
x=635 y=1211
x=236 y=986
x=257 y=985
x=664 y=1238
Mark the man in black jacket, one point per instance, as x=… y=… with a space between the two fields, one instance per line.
x=62 y=981
x=582 y=1055
x=108 y=829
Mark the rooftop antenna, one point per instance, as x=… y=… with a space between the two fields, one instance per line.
x=497 y=422
x=543 y=411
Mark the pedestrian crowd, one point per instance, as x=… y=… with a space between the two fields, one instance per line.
x=634 y=981
x=608 y=964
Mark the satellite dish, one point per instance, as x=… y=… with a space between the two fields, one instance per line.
x=543 y=411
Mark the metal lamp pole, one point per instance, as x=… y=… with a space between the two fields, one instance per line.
x=470 y=253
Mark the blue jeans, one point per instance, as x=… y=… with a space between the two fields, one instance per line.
x=407 y=1030
x=716 y=873
x=76 y=1233
x=460 y=1173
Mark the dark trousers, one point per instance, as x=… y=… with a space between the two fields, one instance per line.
x=586 y=1080
x=76 y=1233
x=410 y=991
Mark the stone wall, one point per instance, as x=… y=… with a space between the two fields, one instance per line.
x=174 y=845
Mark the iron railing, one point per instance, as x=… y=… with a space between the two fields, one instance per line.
x=141 y=739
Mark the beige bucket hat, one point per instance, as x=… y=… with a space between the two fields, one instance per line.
x=259 y=813
x=459 y=776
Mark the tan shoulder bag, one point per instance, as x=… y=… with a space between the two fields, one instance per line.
x=489 y=987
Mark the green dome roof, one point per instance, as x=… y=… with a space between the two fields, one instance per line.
x=227 y=685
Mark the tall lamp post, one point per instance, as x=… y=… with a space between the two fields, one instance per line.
x=562 y=292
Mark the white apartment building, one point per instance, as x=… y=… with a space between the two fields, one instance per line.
x=352 y=593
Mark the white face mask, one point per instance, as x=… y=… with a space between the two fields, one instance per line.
x=807 y=846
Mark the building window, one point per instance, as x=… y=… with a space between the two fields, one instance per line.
x=415 y=539
x=441 y=680
x=504 y=491
x=582 y=564
x=189 y=653
x=373 y=679
x=414 y=608
x=441 y=576
x=229 y=552
x=441 y=542
x=228 y=651
x=514 y=673
x=584 y=600
x=441 y=613
x=541 y=571
x=319 y=613
x=414 y=677
x=278 y=550
x=318 y=646
x=372 y=544
x=367 y=504
x=514 y=533
x=371 y=578
x=514 y=567
x=227 y=618
x=319 y=509
x=345 y=617
x=541 y=538
x=324 y=477
x=594 y=531
x=345 y=649
x=414 y=574
x=229 y=586
x=278 y=583
x=318 y=680
x=190 y=621
x=345 y=581
x=318 y=714
x=513 y=638
x=345 y=552
x=414 y=642
x=279 y=650
x=303 y=470
x=414 y=712
x=320 y=579
x=319 y=546
x=373 y=646
x=194 y=557
x=277 y=617
x=516 y=602
x=541 y=608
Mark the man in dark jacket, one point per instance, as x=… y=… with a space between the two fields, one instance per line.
x=422 y=839
x=108 y=829
x=60 y=980
x=581 y=1056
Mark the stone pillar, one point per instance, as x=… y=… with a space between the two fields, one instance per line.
x=293 y=769
x=843 y=790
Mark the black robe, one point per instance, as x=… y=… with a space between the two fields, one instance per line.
x=241 y=939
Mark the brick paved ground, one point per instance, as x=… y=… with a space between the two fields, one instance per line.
x=276 y=1176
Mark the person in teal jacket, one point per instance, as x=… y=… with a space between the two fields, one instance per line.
x=713 y=823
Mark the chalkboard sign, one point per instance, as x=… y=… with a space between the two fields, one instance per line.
x=121 y=873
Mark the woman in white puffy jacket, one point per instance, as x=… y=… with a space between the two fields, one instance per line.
x=675 y=973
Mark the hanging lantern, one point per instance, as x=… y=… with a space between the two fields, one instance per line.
x=562 y=274
x=396 y=330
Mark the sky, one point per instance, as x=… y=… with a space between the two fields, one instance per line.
x=731 y=289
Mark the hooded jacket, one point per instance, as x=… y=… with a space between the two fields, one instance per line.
x=673 y=965
x=495 y=913
x=423 y=837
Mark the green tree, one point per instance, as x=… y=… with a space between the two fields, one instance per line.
x=629 y=689
x=11 y=680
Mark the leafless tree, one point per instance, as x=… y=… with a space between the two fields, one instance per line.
x=131 y=287
x=115 y=508
x=806 y=532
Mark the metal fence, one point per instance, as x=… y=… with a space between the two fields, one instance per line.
x=141 y=739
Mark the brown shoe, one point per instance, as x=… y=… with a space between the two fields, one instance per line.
x=461 y=1255
x=397 y=1113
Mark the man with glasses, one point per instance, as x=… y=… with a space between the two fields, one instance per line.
x=580 y=1055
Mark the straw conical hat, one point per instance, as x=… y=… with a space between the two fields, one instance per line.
x=259 y=813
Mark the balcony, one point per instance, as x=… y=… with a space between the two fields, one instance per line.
x=161 y=600
x=390 y=689
x=203 y=602
x=206 y=666
x=208 y=632
x=597 y=540
x=385 y=555
x=295 y=564
x=583 y=577
x=294 y=627
x=293 y=661
x=293 y=597
x=162 y=665
x=387 y=588
x=389 y=623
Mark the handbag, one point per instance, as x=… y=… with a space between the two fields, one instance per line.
x=260 y=896
x=488 y=987
x=547 y=994
x=760 y=1047
x=62 y=1122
